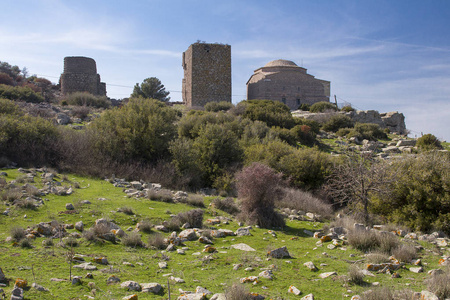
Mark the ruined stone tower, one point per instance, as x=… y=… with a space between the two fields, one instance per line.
x=80 y=75
x=207 y=74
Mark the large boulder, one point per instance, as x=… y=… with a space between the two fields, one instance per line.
x=152 y=287
x=279 y=253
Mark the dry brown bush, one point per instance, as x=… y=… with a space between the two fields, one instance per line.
x=133 y=240
x=439 y=284
x=238 y=292
x=355 y=275
x=305 y=201
x=405 y=252
x=156 y=241
x=227 y=205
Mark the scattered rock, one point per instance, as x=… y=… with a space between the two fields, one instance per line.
x=243 y=231
x=17 y=293
x=130 y=297
x=113 y=279
x=76 y=280
x=249 y=279
x=131 y=285
x=416 y=270
x=202 y=290
x=310 y=265
x=153 y=287
x=79 y=226
x=294 y=290
x=86 y=266
x=21 y=283
x=2 y=276
x=267 y=274
x=162 y=265
x=426 y=295
x=194 y=296
x=242 y=247
x=279 y=253
x=219 y=296
x=327 y=274
x=308 y=297
x=39 y=287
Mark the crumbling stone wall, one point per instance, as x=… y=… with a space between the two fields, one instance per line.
x=80 y=75
x=207 y=74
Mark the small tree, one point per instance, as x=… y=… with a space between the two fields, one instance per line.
x=151 y=88
x=258 y=188
x=356 y=179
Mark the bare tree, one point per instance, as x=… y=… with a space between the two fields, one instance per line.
x=360 y=176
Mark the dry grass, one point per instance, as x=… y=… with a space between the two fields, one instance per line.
x=145 y=226
x=238 y=292
x=304 y=201
x=25 y=204
x=388 y=242
x=10 y=195
x=405 y=252
x=26 y=243
x=227 y=205
x=126 y=210
x=195 y=200
x=162 y=195
x=440 y=284
x=363 y=240
x=355 y=275
x=133 y=240
x=377 y=257
x=383 y=293
x=18 y=233
x=156 y=241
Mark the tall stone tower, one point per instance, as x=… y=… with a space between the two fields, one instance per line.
x=207 y=74
x=80 y=75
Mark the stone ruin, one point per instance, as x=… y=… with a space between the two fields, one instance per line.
x=80 y=75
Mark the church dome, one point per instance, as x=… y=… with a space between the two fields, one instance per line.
x=281 y=63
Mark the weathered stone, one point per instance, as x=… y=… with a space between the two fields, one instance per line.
x=249 y=279
x=218 y=296
x=327 y=274
x=426 y=295
x=17 y=293
x=152 y=287
x=310 y=265
x=76 y=280
x=242 y=247
x=86 y=266
x=204 y=240
x=267 y=274
x=79 y=226
x=279 y=253
x=292 y=289
x=162 y=265
x=161 y=228
x=113 y=279
x=188 y=235
x=243 y=231
x=176 y=279
x=308 y=297
x=131 y=285
x=193 y=296
x=101 y=260
x=202 y=290
x=411 y=236
x=2 y=276
x=435 y=272
x=416 y=270
x=130 y=297
x=21 y=283
x=38 y=287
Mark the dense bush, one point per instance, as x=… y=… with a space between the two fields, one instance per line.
x=428 y=142
x=20 y=93
x=307 y=168
x=8 y=107
x=347 y=108
x=273 y=113
x=419 y=198
x=337 y=122
x=218 y=106
x=87 y=99
x=367 y=131
x=322 y=107
x=258 y=189
x=304 y=134
x=27 y=140
x=305 y=107
x=193 y=217
x=141 y=130
x=227 y=205
x=314 y=125
x=269 y=153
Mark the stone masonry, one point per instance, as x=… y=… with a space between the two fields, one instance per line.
x=80 y=75
x=284 y=81
x=207 y=74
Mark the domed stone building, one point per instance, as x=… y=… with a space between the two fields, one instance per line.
x=284 y=81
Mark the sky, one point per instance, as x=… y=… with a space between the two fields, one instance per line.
x=380 y=55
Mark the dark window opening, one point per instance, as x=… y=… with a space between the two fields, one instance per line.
x=283 y=100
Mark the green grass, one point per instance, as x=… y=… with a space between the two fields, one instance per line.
x=215 y=274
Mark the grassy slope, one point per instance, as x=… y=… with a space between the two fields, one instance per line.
x=215 y=274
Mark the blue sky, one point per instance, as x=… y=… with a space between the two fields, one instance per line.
x=382 y=55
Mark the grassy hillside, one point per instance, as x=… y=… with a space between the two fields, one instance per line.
x=213 y=271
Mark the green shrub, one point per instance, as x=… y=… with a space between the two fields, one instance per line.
x=428 y=142
x=347 y=108
x=8 y=107
x=218 y=106
x=306 y=168
x=304 y=134
x=314 y=125
x=269 y=153
x=419 y=196
x=305 y=107
x=258 y=189
x=337 y=122
x=322 y=106
x=367 y=131
x=343 y=132
x=20 y=93
x=285 y=134
x=140 y=130
x=28 y=140
x=87 y=99
x=273 y=113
